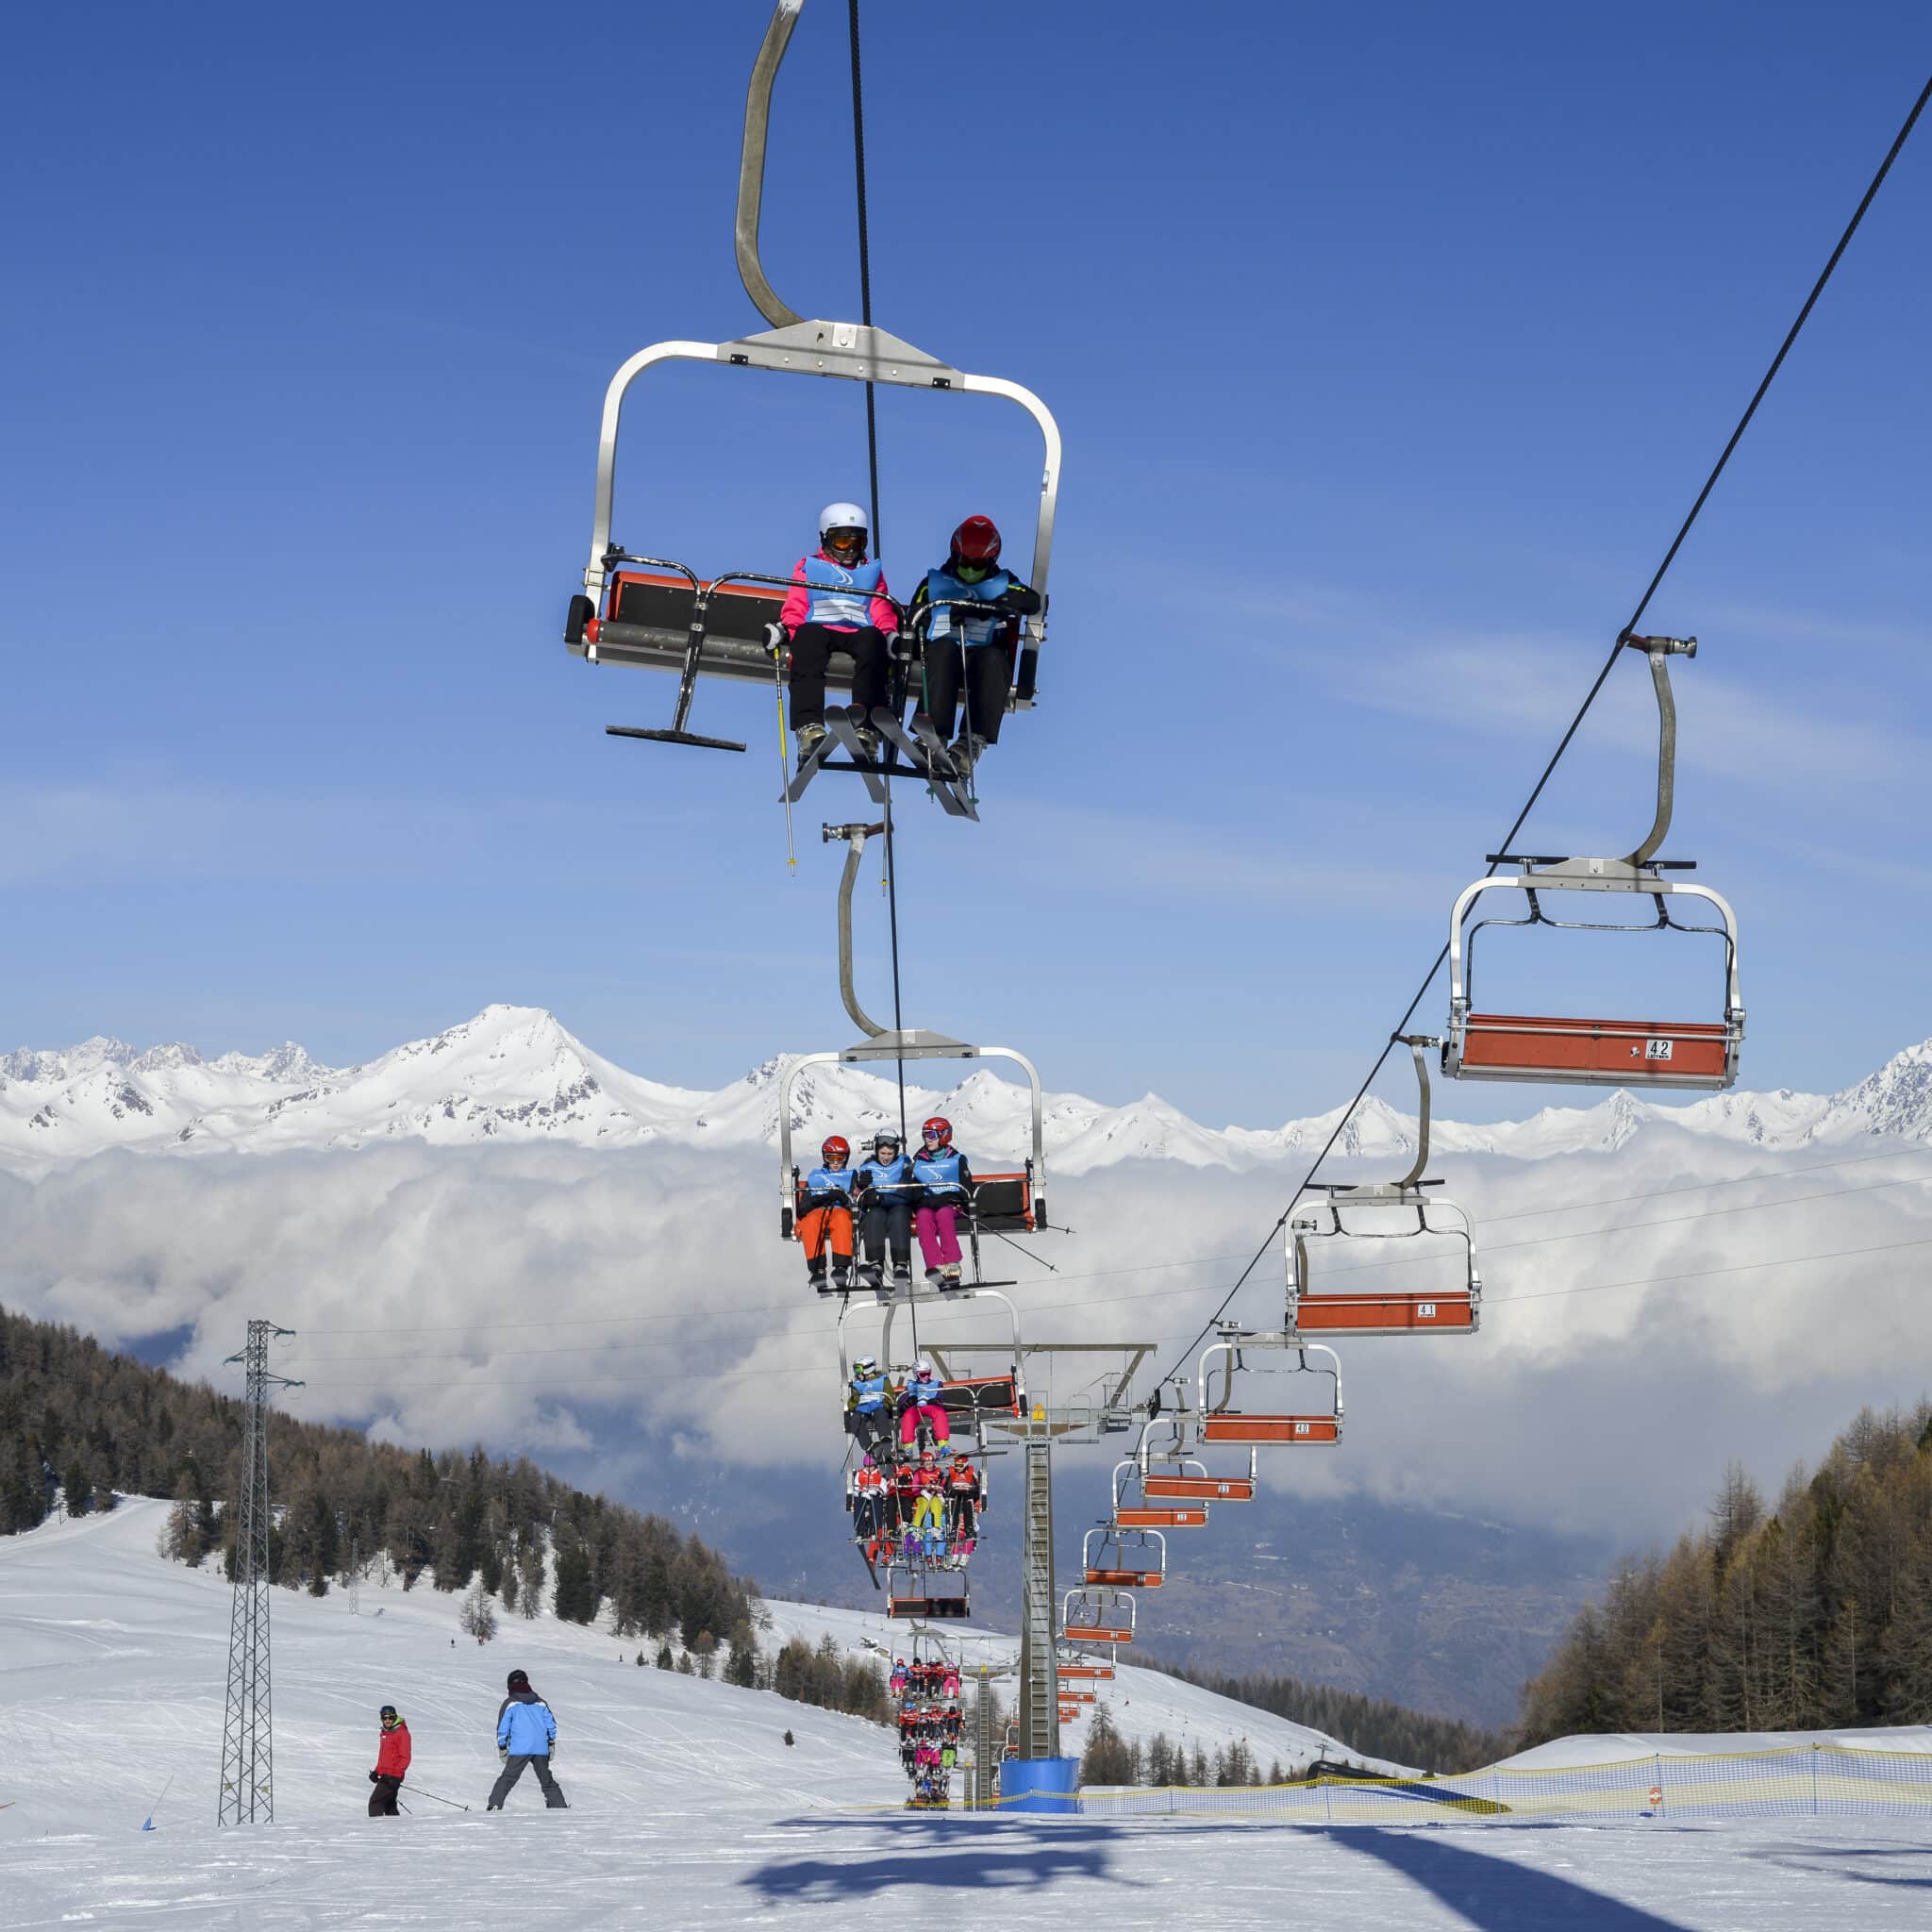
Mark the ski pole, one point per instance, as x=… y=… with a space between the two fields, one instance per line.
x=784 y=773
x=148 y=1824
x=450 y=1802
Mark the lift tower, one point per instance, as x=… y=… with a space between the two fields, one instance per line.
x=248 y=1789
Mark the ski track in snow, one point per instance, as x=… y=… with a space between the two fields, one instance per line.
x=689 y=1810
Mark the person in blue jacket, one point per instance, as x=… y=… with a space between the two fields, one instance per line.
x=526 y=1737
x=970 y=645
x=871 y=1398
x=884 y=1190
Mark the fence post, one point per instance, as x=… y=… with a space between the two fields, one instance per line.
x=1814 y=1780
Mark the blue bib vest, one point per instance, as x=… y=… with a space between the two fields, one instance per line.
x=889 y=1176
x=968 y=626
x=828 y=1180
x=839 y=595
x=938 y=1172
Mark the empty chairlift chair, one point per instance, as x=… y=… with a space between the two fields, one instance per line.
x=1098 y=1616
x=1595 y=1052
x=1443 y=1297
x=1172 y=1474
x=1282 y=1403
x=1124 y=1558
x=1136 y=1507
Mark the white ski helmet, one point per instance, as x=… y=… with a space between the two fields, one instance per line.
x=843 y=516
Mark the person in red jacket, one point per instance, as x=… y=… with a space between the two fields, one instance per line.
x=392 y=1764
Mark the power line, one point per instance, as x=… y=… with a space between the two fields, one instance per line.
x=1509 y=839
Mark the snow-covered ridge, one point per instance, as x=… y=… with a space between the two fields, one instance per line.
x=516 y=1075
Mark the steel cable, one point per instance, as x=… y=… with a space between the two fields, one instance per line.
x=1602 y=679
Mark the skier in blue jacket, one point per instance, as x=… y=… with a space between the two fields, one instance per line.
x=970 y=644
x=825 y=1216
x=884 y=1190
x=525 y=1735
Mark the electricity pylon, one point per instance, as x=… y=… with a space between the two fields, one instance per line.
x=248 y=1787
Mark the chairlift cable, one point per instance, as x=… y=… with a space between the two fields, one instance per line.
x=1509 y=840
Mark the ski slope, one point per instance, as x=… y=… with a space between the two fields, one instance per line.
x=689 y=1810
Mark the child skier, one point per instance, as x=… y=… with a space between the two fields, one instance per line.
x=526 y=1737
x=928 y=1512
x=841 y=604
x=970 y=646
x=922 y=1402
x=965 y=1498
x=391 y=1763
x=869 y=1400
x=944 y=1187
x=884 y=1190
x=826 y=1219
x=867 y=1501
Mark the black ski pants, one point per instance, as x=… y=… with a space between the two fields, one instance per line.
x=888 y=1224
x=988 y=675
x=811 y=646
x=868 y=1427
x=382 y=1797
x=513 y=1767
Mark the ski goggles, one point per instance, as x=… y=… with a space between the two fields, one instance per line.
x=972 y=573
x=932 y=1134
x=844 y=540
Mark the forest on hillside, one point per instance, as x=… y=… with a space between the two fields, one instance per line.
x=78 y=1422
x=1813 y=1612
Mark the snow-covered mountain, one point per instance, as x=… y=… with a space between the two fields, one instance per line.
x=516 y=1075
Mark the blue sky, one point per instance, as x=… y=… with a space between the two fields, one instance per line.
x=1389 y=345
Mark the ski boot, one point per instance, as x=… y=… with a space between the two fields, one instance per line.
x=815 y=1273
x=869 y=1273
x=902 y=1275
x=811 y=737
x=842 y=1276
x=934 y=1276
x=966 y=753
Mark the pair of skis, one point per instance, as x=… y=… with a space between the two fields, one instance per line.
x=925 y=753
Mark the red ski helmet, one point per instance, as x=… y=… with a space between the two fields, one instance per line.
x=939 y=1127
x=836 y=1144
x=977 y=540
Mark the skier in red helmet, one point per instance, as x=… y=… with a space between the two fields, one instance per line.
x=946 y=1184
x=825 y=1216
x=966 y=644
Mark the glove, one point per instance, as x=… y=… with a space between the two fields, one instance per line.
x=1018 y=601
x=376 y=1777
x=552 y=1747
x=776 y=637
x=503 y=1753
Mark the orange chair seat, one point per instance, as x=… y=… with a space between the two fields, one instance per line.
x=1295 y=1430
x=1127 y=1579
x=1633 y=1050
x=1159 y=1519
x=1216 y=1489
x=1096 y=1633
x=1384 y=1314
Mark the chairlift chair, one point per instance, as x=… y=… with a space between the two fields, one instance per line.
x=1084 y=1673
x=1145 y=1515
x=1098 y=1616
x=1310 y=1424
x=1124 y=1558
x=1700 y=1054
x=1172 y=1472
x=1014 y=1202
x=662 y=615
x=1404 y=1210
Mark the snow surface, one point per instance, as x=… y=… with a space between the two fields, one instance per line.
x=515 y=1075
x=689 y=1810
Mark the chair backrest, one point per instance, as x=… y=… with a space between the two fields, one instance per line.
x=1003 y=1202
x=660 y=601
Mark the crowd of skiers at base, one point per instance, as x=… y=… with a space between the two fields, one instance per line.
x=525 y=1740
x=886 y=1198
x=926 y=1507
x=963 y=621
x=927 y=1694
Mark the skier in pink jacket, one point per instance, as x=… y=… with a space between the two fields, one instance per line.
x=841 y=604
